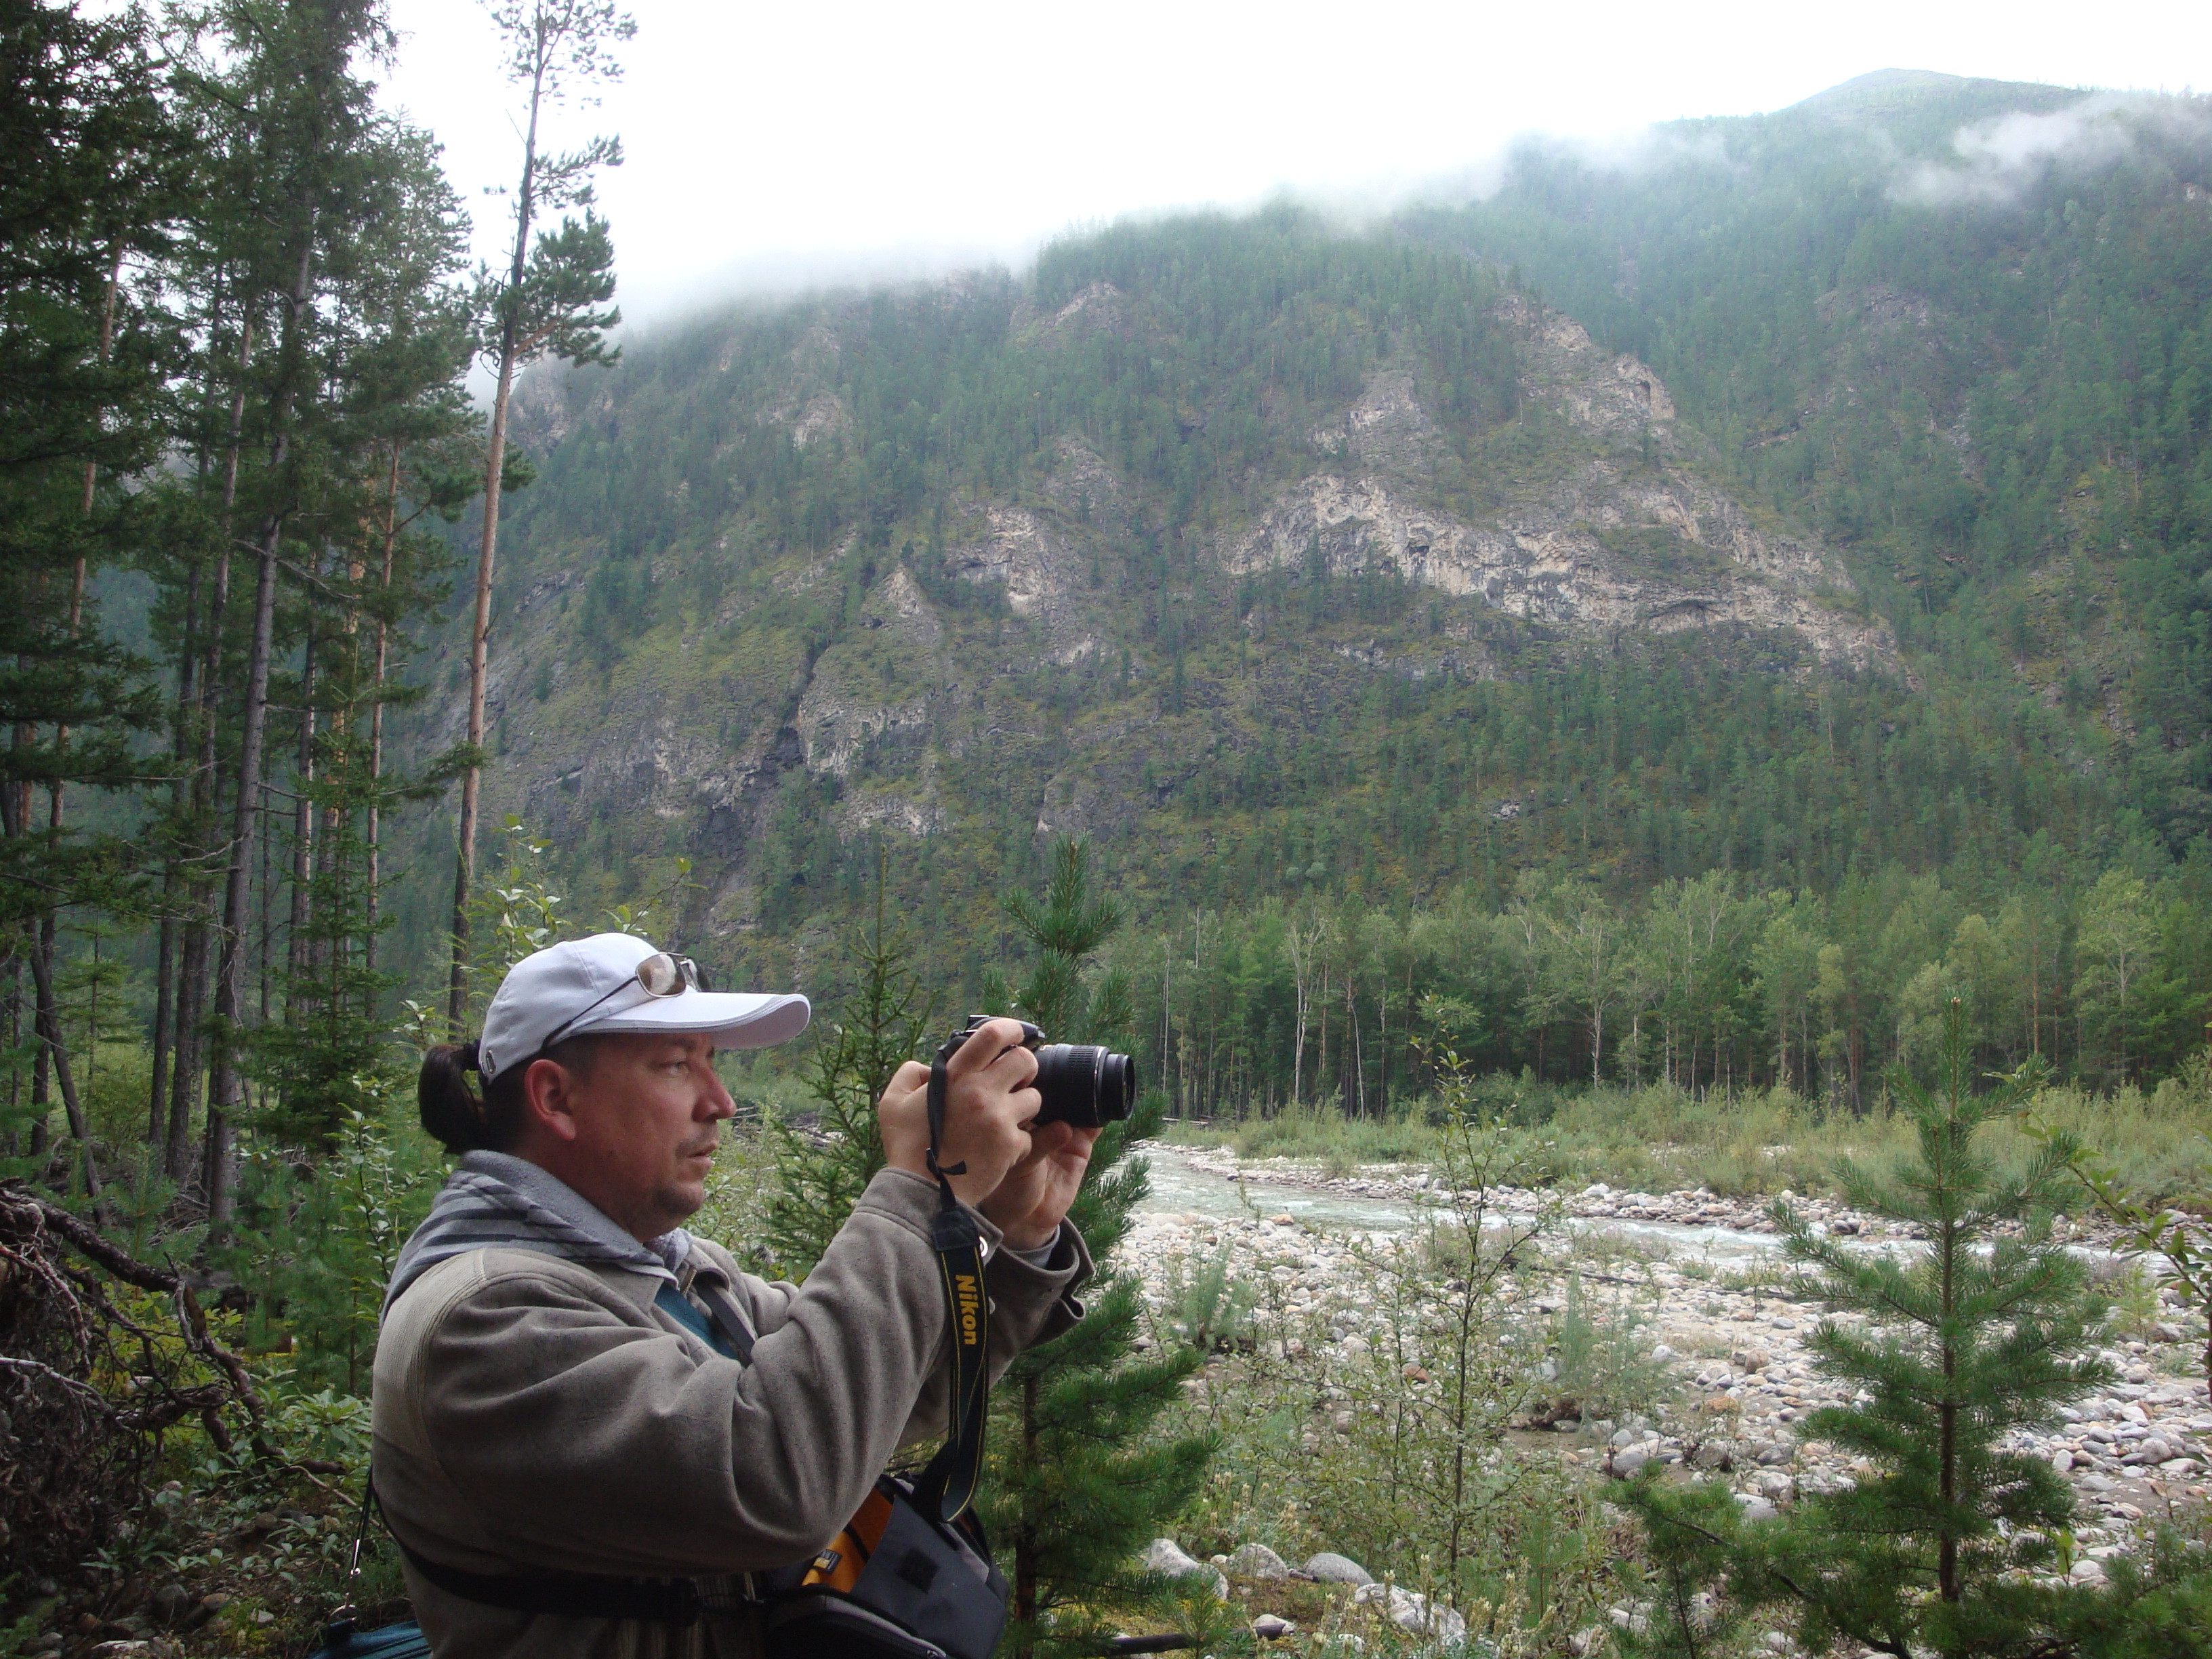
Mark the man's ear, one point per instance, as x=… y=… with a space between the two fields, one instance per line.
x=545 y=1088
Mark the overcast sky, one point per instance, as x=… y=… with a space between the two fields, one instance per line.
x=774 y=147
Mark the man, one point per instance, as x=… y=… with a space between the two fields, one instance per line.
x=553 y=1393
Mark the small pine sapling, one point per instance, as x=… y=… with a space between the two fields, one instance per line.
x=822 y=1172
x=1943 y=1547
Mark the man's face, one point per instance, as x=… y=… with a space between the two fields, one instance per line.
x=647 y=1116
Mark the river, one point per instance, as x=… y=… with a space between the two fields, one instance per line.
x=1178 y=1186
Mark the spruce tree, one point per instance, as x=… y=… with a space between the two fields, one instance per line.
x=1079 y=1482
x=1947 y=1547
x=88 y=184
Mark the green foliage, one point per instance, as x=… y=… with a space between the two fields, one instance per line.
x=822 y=1168
x=1377 y=1427
x=1207 y=1306
x=318 y=1244
x=1602 y=1355
x=1081 y=1479
x=2179 y=1242
x=1705 y=982
x=1942 y=1548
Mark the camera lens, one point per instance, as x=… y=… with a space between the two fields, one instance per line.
x=1085 y=1086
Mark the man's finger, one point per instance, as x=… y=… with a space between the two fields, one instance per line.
x=986 y=1045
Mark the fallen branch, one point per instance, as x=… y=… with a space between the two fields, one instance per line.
x=192 y=1319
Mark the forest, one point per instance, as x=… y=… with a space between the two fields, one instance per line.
x=332 y=688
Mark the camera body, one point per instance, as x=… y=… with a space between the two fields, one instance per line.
x=1083 y=1085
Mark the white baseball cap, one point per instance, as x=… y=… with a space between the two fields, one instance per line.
x=592 y=985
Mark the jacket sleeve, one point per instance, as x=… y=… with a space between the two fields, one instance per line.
x=587 y=1441
x=1030 y=1305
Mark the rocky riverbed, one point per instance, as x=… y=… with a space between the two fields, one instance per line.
x=1737 y=1378
x=1699 y=1209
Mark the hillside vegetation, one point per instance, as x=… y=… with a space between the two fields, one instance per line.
x=1813 y=509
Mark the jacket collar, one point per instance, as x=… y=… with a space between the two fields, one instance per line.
x=497 y=1201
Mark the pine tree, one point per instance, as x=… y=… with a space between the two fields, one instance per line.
x=1079 y=1485
x=88 y=176
x=547 y=302
x=822 y=1173
x=1947 y=1548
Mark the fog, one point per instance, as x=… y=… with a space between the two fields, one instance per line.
x=1997 y=160
x=775 y=148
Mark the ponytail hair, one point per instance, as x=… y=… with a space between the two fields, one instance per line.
x=451 y=1111
x=463 y=1120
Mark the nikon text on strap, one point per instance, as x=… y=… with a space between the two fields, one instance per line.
x=947 y=1485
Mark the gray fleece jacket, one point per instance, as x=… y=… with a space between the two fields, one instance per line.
x=533 y=1409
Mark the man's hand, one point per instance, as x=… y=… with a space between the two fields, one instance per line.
x=987 y=1099
x=1032 y=1200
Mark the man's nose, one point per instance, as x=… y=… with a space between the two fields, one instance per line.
x=716 y=1098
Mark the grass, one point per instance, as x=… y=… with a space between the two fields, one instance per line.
x=1755 y=1144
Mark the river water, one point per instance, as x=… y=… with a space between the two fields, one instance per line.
x=1179 y=1188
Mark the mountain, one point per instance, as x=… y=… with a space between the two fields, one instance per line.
x=1959 y=327
x=1821 y=491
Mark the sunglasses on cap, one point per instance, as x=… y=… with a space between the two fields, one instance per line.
x=660 y=975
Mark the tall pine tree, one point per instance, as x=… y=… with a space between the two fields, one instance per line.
x=1079 y=1484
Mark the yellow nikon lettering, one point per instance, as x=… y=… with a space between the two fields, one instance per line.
x=969 y=1301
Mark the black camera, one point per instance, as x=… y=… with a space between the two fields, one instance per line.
x=1082 y=1085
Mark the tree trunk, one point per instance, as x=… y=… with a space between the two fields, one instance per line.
x=173 y=882
x=193 y=989
x=46 y=1020
x=465 y=855
x=303 y=817
x=225 y=1091
x=374 y=827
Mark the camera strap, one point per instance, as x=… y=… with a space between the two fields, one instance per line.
x=946 y=1486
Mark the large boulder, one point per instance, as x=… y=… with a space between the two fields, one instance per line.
x=1333 y=1569
x=1412 y=1611
x=1258 y=1561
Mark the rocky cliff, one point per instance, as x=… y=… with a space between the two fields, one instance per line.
x=1081 y=647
